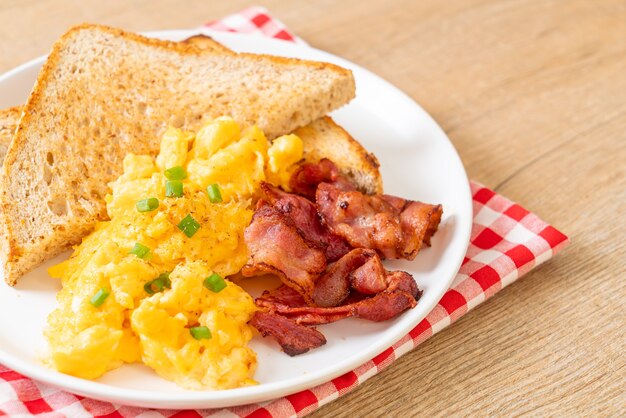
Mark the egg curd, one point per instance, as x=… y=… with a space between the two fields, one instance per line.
x=149 y=285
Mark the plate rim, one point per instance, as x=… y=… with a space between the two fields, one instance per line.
x=232 y=397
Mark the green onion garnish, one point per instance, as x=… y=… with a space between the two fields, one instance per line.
x=153 y=286
x=176 y=173
x=174 y=188
x=215 y=196
x=140 y=250
x=166 y=279
x=147 y=205
x=215 y=283
x=158 y=284
x=200 y=333
x=189 y=226
x=98 y=299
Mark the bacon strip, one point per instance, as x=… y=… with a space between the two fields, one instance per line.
x=304 y=216
x=419 y=223
x=305 y=180
x=360 y=270
x=283 y=295
x=383 y=306
x=293 y=238
x=293 y=338
x=333 y=287
x=277 y=247
x=401 y=280
x=395 y=227
x=370 y=278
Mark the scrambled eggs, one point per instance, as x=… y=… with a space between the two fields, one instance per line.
x=149 y=285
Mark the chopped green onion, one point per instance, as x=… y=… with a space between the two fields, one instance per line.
x=174 y=188
x=215 y=283
x=176 y=173
x=189 y=226
x=166 y=279
x=215 y=196
x=200 y=333
x=140 y=251
x=98 y=299
x=157 y=285
x=147 y=205
x=153 y=286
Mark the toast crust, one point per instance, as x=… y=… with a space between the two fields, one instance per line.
x=325 y=139
x=9 y=119
x=206 y=42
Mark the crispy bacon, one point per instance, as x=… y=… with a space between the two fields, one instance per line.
x=370 y=278
x=395 y=227
x=333 y=287
x=328 y=254
x=384 y=306
x=356 y=270
x=277 y=247
x=304 y=216
x=401 y=280
x=293 y=338
x=360 y=270
x=305 y=180
x=283 y=295
x=415 y=218
x=381 y=307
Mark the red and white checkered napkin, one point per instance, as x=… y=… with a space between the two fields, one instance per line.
x=507 y=241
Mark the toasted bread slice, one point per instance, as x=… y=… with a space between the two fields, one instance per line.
x=10 y=117
x=103 y=93
x=325 y=139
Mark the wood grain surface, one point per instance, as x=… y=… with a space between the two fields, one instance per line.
x=533 y=95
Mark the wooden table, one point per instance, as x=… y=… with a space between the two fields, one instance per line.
x=533 y=95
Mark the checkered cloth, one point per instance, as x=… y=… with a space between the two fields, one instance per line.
x=507 y=241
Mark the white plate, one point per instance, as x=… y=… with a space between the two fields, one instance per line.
x=418 y=161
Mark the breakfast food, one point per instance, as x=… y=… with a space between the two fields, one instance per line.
x=122 y=145
x=10 y=117
x=326 y=244
x=103 y=93
x=176 y=222
x=151 y=284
